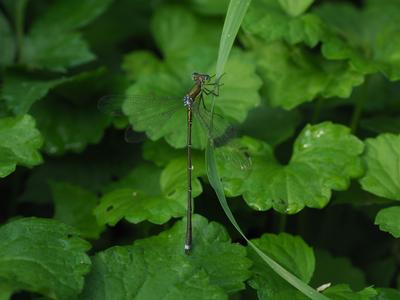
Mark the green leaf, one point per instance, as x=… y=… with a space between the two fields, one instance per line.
x=19 y=143
x=275 y=20
x=67 y=127
x=53 y=42
x=7 y=43
x=210 y=7
x=160 y=153
x=368 y=38
x=294 y=75
x=343 y=292
x=388 y=220
x=92 y=170
x=189 y=49
x=69 y=15
x=295 y=7
x=281 y=124
x=43 y=256
x=290 y=252
x=160 y=117
x=149 y=193
x=325 y=157
x=141 y=63
x=387 y=294
x=381 y=157
x=55 y=51
x=336 y=270
x=179 y=33
x=74 y=206
x=157 y=268
x=20 y=91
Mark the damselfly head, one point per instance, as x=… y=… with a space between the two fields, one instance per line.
x=200 y=77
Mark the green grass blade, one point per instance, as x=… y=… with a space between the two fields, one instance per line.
x=234 y=17
x=212 y=173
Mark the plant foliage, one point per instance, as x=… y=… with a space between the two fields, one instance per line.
x=306 y=160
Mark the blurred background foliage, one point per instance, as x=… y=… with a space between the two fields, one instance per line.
x=62 y=158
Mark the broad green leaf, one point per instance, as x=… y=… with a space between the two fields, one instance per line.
x=55 y=51
x=387 y=294
x=179 y=33
x=336 y=270
x=110 y=30
x=68 y=15
x=7 y=42
x=388 y=220
x=325 y=157
x=167 y=117
x=141 y=63
x=92 y=170
x=185 y=53
x=43 y=256
x=150 y=193
x=160 y=153
x=292 y=253
x=382 y=124
x=294 y=75
x=6 y=291
x=20 y=91
x=74 y=206
x=274 y=20
x=53 y=42
x=157 y=268
x=368 y=37
x=344 y=292
x=295 y=7
x=67 y=127
x=382 y=160
x=281 y=124
x=19 y=143
x=210 y=7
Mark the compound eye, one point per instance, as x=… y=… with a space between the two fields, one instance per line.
x=195 y=75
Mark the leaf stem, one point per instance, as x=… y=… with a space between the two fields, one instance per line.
x=355 y=119
x=317 y=111
x=359 y=106
x=281 y=222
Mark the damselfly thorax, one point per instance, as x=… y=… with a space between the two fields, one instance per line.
x=200 y=81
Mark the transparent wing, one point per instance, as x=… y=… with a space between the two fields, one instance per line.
x=221 y=131
x=138 y=105
x=223 y=135
x=148 y=113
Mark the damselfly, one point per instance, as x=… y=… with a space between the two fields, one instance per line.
x=144 y=117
